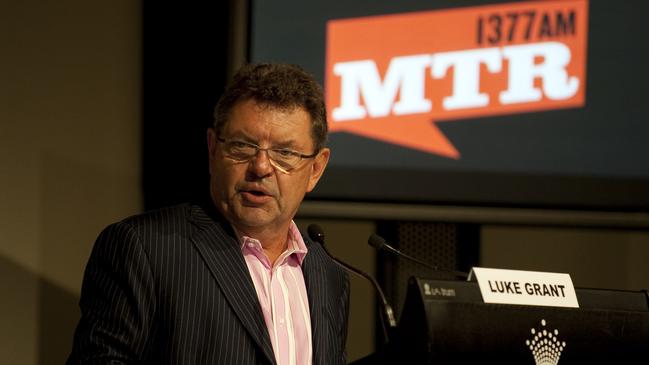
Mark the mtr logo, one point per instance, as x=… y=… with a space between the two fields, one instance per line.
x=392 y=78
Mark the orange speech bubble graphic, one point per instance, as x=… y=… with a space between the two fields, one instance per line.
x=393 y=77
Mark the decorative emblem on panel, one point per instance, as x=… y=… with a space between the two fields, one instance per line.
x=545 y=345
x=438 y=291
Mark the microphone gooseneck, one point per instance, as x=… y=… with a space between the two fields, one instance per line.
x=316 y=233
x=380 y=243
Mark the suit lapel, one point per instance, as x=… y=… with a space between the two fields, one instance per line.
x=221 y=251
x=314 y=278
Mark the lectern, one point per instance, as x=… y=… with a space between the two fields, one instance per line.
x=447 y=322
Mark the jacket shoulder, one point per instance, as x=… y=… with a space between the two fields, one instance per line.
x=162 y=220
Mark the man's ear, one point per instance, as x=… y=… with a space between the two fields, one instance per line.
x=318 y=167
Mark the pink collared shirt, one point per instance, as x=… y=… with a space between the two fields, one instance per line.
x=283 y=298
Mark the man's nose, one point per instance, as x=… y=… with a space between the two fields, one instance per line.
x=260 y=164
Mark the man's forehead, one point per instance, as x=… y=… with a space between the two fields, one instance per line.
x=238 y=124
x=292 y=112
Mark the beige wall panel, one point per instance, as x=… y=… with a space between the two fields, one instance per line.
x=69 y=158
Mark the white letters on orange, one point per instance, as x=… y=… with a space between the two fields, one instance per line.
x=466 y=77
x=362 y=78
x=406 y=77
x=522 y=72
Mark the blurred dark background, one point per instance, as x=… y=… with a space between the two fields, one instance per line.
x=103 y=112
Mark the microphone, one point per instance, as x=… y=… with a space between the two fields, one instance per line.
x=388 y=322
x=379 y=243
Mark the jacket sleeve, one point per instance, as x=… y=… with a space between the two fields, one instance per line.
x=117 y=301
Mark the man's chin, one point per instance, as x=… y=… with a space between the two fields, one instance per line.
x=246 y=216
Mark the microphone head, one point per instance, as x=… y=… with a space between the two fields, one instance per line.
x=316 y=233
x=377 y=241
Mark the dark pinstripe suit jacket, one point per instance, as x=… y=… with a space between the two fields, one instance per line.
x=171 y=287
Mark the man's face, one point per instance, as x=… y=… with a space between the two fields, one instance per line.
x=255 y=196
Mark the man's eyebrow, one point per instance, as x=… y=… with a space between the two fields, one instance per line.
x=285 y=144
x=242 y=137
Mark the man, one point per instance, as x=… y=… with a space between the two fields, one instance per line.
x=231 y=281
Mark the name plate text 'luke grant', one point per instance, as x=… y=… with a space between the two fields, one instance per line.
x=526 y=287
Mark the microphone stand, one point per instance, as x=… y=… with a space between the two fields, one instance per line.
x=379 y=243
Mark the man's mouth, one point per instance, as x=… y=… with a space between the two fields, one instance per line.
x=256 y=192
x=254 y=196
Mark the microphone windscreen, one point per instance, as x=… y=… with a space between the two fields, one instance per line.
x=376 y=241
x=316 y=233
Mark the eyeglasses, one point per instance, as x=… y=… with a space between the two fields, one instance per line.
x=282 y=159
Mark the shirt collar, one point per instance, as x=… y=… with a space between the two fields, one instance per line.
x=295 y=242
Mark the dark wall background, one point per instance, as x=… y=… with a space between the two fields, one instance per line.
x=184 y=66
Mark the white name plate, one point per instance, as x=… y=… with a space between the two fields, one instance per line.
x=525 y=287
